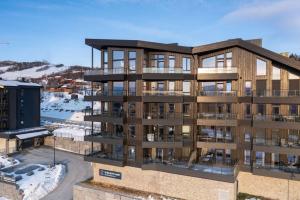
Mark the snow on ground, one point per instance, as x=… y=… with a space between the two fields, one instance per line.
x=3 y=198
x=73 y=131
x=59 y=105
x=6 y=162
x=31 y=72
x=44 y=180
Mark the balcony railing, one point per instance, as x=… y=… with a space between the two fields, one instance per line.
x=103 y=134
x=173 y=115
x=217 y=138
x=278 y=118
x=218 y=116
x=90 y=112
x=154 y=137
x=162 y=93
x=90 y=92
x=216 y=70
x=105 y=71
x=106 y=155
x=155 y=70
x=279 y=168
x=276 y=93
x=218 y=93
x=280 y=142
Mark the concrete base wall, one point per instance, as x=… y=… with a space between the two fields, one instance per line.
x=68 y=144
x=8 y=146
x=9 y=191
x=268 y=187
x=178 y=186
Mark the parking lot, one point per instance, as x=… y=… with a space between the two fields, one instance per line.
x=77 y=169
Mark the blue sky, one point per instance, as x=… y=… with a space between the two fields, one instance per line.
x=55 y=30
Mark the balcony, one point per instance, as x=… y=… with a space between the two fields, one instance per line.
x=217 y=97
x=154 y=73
x=217 y=119
x=100 y=116
x=219 y=141
x=104 y=137
x=279 y=146
x=163 y=119
x=277 y=96
x=162 y=96
x=153 y=140
x=105 y=158
x=219 y=171
x=276 y=121
x=105 y=74
x=99 y=95
x=278 y=170
x=217 y=73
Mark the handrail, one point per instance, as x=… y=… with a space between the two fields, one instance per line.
x=279 y=118
x=217 y=93
x=276 y=93
x=217 y=116
x=101 y=71
x=89 y=112
x=216 y=70
x=162 y=93
x=173 y=115
x=90 y=92
x=155 y=70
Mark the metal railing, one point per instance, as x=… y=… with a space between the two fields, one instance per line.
x=217 y=93
x=157 y=70
x=220 y=138
x=280 y=142
x=104 y=134
x=162 y=93
x=278 y=118
x=98 y=112
x=276 y=93
x=90 y=92
x=105 y=71
x=278 y=167
x=219 y=116
x=173 y=115
x=216 y=70
x=154 y=137
x=106 y=155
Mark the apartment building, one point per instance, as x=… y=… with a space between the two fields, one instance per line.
x=19 y=116
x=202 y=122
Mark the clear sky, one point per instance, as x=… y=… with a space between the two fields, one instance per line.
x=55 y=30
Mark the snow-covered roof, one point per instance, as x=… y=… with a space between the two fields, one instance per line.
x=32 y=135
x=17 y=83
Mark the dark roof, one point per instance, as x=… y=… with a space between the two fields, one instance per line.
x=102 y=43
x=250 y=47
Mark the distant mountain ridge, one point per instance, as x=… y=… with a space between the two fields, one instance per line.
x=12 y=70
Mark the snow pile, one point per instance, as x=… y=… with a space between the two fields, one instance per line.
x=75 y=132
x=6 y=162
x=34 y=72
x=59 y=105
x=43 y=180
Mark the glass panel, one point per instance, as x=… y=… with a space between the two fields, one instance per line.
x=186 y=87
x=276 y=73
x=261 y=67
x=171 y=63
x=209 y=62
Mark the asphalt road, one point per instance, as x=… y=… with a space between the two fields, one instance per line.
x=77 y=169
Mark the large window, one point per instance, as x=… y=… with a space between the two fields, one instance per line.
x=132 y=88
x=171 y=63
x=186 y=87
x=229 y=59
x=186 y=65
x=132 y=61
x=158 y=61
x=118 y=88
x=261 y=67
x=118 y=60
x=131 y=153
x=209 y=62
x=105 y=59
x=220 y=61
x=276 y=73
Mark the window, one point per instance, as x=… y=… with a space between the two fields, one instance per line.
x=220 y=61
x=186 y=110
x=131 y=131
x=209 y=62
x=131 y=109
x=171 y=86
x=105 y=60
x=158 y=61
x=171 y=63
x=229 y=59
x=248 y=111
x=248 y=88
x=261 y=67
x=186 y=87
x=260 y=158
x=186 y=130
x=131 y=153
x=208 y=86
x=247 y=137
x=261 y=109
x=276 y=73
x=171 y=107
x=247 y=157
x=132 y=88
x=105 y=107
x=118 y=60
x=186 y=65
x=293 y=110
x=132 y=61
x=118 y=88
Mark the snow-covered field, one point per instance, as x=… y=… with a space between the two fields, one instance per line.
x=59 y=105
x=3 y=198
x=6 y=162
x=34 y=72
x=43 y=180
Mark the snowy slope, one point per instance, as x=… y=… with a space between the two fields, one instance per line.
x=34 y=72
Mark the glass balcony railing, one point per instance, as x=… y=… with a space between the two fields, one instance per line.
x=105 y=93
x=98 y=112
x=276 y=93
x=221 y=138
x=162 y=93
x=279 y=168
x=218 y=93
x=215 y=70
x=104 y=134
x=100 y=71
x=156 y=70
x=279 y=142
x=107 y=155
x=278 y=118
x=218 y=116
x=154 y=137
x=173 y=115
